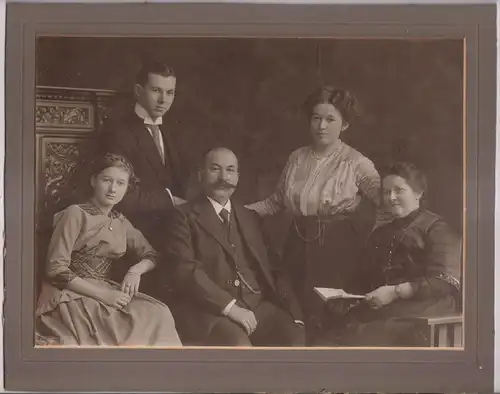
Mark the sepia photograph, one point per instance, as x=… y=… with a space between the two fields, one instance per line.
x=249 y=192
x=249 y=198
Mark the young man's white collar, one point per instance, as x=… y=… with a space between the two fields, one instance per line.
x=143 y=114
x=218 y=207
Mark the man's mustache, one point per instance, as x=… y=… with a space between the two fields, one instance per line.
x=224 y=185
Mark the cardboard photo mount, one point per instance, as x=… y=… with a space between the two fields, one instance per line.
x=252 y=370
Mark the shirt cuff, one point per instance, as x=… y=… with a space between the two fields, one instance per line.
x=170 y=194
x=299 y=322
x=228 y=307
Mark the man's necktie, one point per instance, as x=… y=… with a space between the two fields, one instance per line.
x=155 y=131
x=224 y=214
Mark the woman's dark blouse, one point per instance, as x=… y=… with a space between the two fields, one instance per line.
x=419 y=248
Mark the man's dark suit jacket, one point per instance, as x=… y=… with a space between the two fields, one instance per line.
x=198 y=256
x=147 y=203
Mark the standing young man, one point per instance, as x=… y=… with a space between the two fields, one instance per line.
x=139 y=135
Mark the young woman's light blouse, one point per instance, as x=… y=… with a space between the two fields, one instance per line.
x=311 y=186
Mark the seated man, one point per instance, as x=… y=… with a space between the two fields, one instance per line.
x=228 y=291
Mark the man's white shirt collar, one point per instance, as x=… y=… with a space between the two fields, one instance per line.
x=218 y=207
x=143 y=114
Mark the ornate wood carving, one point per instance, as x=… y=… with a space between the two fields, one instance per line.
x=73 y=115
x=58 y=157
x=71 y=108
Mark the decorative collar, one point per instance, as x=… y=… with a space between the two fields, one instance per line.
x=143 y=114
x=92 y=209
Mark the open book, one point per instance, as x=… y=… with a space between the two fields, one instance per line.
x=327 y=294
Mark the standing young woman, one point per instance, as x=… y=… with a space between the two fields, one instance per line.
x=319 y=186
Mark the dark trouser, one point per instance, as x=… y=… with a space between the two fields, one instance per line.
x=275 y=327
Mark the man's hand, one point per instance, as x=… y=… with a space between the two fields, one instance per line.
x=244 y=318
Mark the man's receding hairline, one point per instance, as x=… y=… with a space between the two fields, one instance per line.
x=219 y=149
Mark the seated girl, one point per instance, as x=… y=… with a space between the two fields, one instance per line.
x=79 y=304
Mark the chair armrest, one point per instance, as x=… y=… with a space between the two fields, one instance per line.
x=444 y=331
x=436 y=320
x=447 y=319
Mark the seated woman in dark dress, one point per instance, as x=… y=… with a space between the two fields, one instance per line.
x=412 y=268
